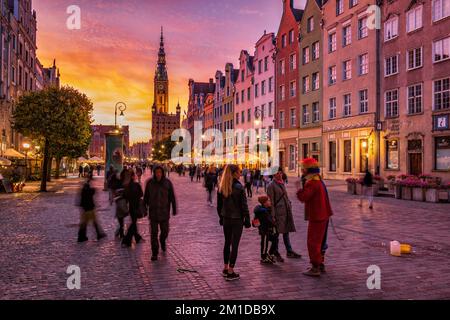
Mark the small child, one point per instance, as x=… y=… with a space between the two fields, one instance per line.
x=264 y=222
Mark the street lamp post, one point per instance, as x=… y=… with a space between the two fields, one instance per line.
x=121 y=106
x=26 y=147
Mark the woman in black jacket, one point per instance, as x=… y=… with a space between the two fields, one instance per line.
x=234 y=215
x=133 y=194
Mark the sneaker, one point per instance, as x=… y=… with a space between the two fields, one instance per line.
x=154 y=258
x=266 y=260
x=233 y=276
x=293 y=255
x=312 y=272
x=278 y=257
x=225 y=273
x=322 y=268
x=272 y=258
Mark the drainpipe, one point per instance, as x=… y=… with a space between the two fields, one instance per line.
x=378 y=94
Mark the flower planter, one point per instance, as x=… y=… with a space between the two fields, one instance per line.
x=359 y=189
x=391 y=186
x=418 y=194
x=432 y=195
x=397 y=191
x=406 y=193
x=376 y=190
x=351 y=188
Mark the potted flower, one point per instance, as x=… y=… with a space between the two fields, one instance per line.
x=407 y=185
x=351 y=185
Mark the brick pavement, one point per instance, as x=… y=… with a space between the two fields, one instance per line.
x=39 y=242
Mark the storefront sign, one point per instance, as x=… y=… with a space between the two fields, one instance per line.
x=441 y=122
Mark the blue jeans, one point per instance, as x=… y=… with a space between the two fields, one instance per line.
x=275 y=243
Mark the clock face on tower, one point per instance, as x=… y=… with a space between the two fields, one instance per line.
x=161 y=87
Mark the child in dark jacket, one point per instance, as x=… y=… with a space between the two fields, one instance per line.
x=266 y=226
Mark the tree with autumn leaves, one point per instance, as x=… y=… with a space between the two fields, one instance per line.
x=58 y=117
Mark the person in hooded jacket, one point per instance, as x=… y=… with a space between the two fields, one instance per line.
x=159 y=197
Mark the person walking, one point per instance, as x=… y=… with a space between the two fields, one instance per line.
x=367 y=190
x=192 y=172
x=210 y=183
x=80 y=171
x=111 y=183
x=282 y=212
x=99 y=169
x=88 y=214
x=248 y=180
x=159 y=197
x=233 y=214
x=133 y=194
x=139 y=173
x=257 y=180
x=318 y=212
x=198 y=172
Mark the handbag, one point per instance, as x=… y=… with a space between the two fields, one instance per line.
x=256 y=223
x=142 y=210
x=122 y=209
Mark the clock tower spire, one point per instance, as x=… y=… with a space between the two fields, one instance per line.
x=161 y=81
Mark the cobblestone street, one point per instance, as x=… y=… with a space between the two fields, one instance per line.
x=39 y=234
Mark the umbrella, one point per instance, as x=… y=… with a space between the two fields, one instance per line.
x=11 y=153
x=4 y=162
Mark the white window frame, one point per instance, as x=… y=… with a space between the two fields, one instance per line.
x=364 y=102
x=441 y=5
x=293 y=117
x=440 y=92
x=315 y=112
x=306 y=119
x=346 y=38
x=347 y=105
x=332 y=39
x=282 y=92
x=391 y=24
x=292 y=61
x=363 y=69
x=281 y=119
x=332 y=75
x=414 y=99
x=441 y=42
x=315 y=81
x=293 y=89
x=315 y=50
x=347 y=70
x=339 y=7
x=391 y=103
x=393 y=68
x=332 y=108
x=416 y=66
x=363 y=30
x=305 y=55
x=414 y=13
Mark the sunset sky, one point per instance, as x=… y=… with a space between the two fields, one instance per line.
x=113 y=57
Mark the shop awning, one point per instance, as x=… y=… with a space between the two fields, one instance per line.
x=11 y=153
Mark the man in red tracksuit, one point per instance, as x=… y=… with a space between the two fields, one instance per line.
x=317 y=211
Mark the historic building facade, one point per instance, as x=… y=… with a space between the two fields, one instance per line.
x=350 y=87
x=219 y=91
x=286 y=82
x=310 y=79
x=243 y=106
x=17 y=63
x=264 y=100
x=416 y=88
x=231 y=76
x=163 y=122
